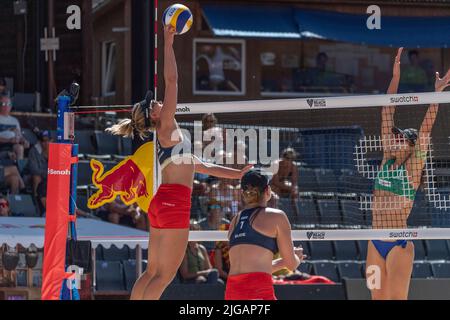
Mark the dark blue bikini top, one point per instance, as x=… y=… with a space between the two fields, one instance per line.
x=244 y=233
x=168 y=155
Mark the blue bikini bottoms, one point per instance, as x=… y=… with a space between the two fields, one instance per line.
x=384 y=247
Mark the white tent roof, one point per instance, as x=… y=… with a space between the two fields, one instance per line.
x=27 y=231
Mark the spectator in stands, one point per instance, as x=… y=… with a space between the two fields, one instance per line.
x=221 y=257
x=5 y=210
x=41 y=196
x=413 y=77
x=285 y=182
x=209 y=121
x=140 y=218
x=11 y=176
x=11 y=138
x=213 y=221
x=38 y=159
x=199 y=188
x=320 y=76
x=3 y=89
x=212 y=133
x=119 y=213
x=428 y=66
x=196 y=267
x=215 y=217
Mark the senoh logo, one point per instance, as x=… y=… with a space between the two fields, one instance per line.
x=316 y=102
x=405 y=99
x=403 y=234
x=184 y=110
x=315 y=235
x=58 y=172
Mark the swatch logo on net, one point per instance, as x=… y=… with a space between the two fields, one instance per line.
x=403 y=234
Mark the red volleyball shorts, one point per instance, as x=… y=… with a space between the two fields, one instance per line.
x=171 y=207
x=250 y=286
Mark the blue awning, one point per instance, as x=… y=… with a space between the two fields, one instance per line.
x=420 y=32
x=251 y=21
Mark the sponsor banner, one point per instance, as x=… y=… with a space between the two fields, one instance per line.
x=132 y=179
x=56 y=220
x=332 y=235
x=355 y=101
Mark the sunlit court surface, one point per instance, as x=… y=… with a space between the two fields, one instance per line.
x=224 y=157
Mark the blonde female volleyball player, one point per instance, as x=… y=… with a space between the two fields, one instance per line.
x=255 y=235
x=169 y=210
x=396 y=185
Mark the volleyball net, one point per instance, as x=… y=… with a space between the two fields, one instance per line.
x=342 y=168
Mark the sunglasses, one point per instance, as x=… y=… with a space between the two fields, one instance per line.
x=5 y=104
x=215 y=206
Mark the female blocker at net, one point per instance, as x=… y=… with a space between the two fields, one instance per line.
x=169 y=211
x=399 y=177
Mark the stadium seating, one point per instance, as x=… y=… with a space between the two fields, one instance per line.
x=85 y=140
x=352 y=215
x=115 y=254
x=326 y=180
x=441 y=269
x=84 y=173
x=329 y=212
x=326 y=269
x=351 y=181
x=362 y=248
x=419 y=250
x=345 y=250
x=22 y=205
x=306 y=180
x=437 y=249
x=305 y=267
x=107 y=144
x=110 y=276
x=126 y=147
x=308 y=215
x=422 y=270
x=285 y=204
x=82 y=198
x=24 y=102
x=321 y=250
x=350 y=270
x=129 y=268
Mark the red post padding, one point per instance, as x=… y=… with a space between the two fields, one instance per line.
x=57 y=219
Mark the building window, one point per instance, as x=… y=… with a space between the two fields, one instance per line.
x=219 y=67
x=109 y=62
x=293 y=69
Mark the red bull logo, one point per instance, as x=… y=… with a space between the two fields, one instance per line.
x=131 y=179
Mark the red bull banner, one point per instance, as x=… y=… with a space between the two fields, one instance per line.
x=132 y=179
x=56 y=220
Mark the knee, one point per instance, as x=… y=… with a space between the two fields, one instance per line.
x=11 y=171
x=18 y=148
x=163 y=278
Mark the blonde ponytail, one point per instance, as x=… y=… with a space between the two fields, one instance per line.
x=127 y=127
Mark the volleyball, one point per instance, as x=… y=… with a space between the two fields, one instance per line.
x=178 y=16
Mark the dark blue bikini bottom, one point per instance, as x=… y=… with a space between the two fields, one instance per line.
x=384 y=247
